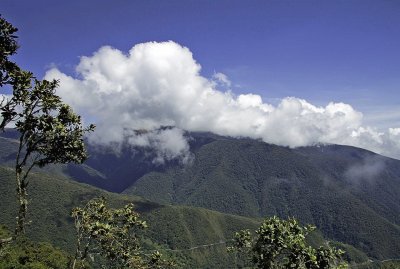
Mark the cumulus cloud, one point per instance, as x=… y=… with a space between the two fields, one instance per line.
x=159 y=84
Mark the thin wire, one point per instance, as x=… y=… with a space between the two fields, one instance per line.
x=196 y=247
x=225 y=242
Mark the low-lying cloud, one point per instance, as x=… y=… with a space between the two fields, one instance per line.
x=167 y=143
x=159 y=84
x=367 y=171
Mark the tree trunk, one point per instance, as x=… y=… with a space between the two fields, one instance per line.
x=77 y=255
x=23 y=204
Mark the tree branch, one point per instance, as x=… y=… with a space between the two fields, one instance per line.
x=4 y=241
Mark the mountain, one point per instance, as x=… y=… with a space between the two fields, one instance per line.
x=107 y=168
x=194 y=237
x=350 y=194
x=175 y=228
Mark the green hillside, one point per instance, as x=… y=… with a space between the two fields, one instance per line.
x=252 y=178
x=195 y=237
x=320 y=185
x=175 y=228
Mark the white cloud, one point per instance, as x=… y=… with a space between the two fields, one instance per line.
x=168 y=143
x=221 y=78
x=159 y=84
x=394 y=132
x=367 y=171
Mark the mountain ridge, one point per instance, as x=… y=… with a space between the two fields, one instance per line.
x=320 y=185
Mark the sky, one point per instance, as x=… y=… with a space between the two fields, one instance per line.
x=289 y=72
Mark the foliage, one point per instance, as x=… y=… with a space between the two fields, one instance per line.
x=351 y=255
x=282 y=244
x=111 y=233
x=5 y=240
x=25 y=254
x=8 y=47
x=10 y=74
x=50 y=132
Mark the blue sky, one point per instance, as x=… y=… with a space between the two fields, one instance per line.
x=322 y=51
x=318 y=50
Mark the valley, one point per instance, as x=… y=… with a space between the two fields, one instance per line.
x=231 y=184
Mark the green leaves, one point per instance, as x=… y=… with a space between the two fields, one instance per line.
x=112 y=233
x=281 y=244
x=25 y=254
x=48 y=127
x=8 y=47
x=50 y=132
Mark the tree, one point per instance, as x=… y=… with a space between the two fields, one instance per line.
x=112 y=234
x=10 y=74
x=50 y=132
x=281 y=244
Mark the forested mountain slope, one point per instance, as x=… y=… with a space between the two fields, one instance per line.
x=170 y=227
x=350 y=194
